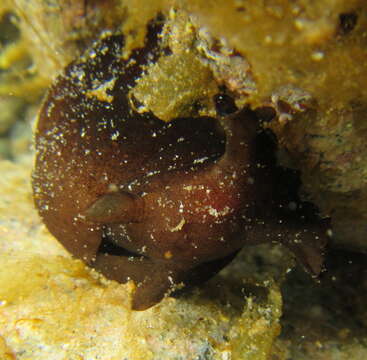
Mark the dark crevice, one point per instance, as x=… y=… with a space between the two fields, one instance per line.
x=108 y=247
x=224 y=104
x=347 y=22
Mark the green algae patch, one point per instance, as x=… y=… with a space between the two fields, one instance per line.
x=176 y=86
x=179 y=84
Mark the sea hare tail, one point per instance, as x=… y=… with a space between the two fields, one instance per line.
x=308 y=246
x=306 y=241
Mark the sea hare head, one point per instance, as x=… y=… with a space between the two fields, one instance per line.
x=134 y=197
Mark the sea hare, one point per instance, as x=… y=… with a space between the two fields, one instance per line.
x=162 y=204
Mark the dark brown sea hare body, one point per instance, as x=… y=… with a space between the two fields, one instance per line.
x=141 y=199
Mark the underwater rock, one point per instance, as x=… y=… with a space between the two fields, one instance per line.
x=11 y=109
